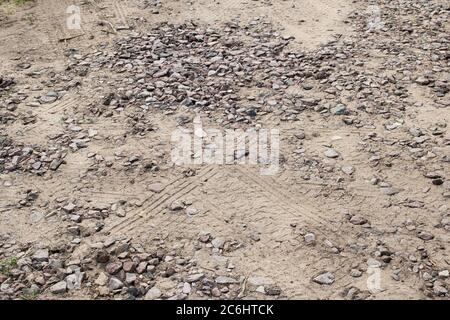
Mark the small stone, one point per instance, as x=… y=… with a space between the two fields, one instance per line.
x=426 y=236
x=355 y=273
x=130 y=278
x=47 y=99
x=217 y=243
x=444 y=274
x=194 y=277
x=186 y=288
x=225 y=280
x=141 y=267
x=339 y=110
x=156 y=187
x=348 y=170
x=310 y=238
x=58 y=288
x=215 y=292
x=439 y=289
x=102 y=279
x=204 y=237
x=129 y=266
x=103 y=291
x=153 y=294
x=41 y=255
x=102 y=257
x=169 y=272
x=115 y=284
x=69 y=207
x=422 y=81
x=426 y=276
x=273 y=290
x=92 y=133
x=113 y=267
x=358 y=220
x=331 y=153
x=257 y=281
x=176 y=205
x=74 y=280
x=191 y=211
x=390 y=191
x=55 y=164
x=326 y=278
x=36 y=165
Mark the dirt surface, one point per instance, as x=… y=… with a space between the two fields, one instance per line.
x=92 y=205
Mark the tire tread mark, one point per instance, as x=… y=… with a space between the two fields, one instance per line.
x=161 y=206
x=164 y=196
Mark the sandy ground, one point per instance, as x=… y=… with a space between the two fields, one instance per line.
x=268 y=216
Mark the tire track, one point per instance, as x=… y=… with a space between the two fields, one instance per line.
x=161 y=206
x=161 y=198
x=284 y=202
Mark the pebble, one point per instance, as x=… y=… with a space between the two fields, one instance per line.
x=186 y=288
x=176 y=205
x=226 y=280
x=424 y=235
x=69 y=208
x=348 y=170
x=331 y=153
x=130 y=278
x=102 y=257
x=194 y=277
x=156 y=187
x=217 y=243
x=358 y=220
x=339 y=110
x=102 y=279
x=439 y=289
x=355 y=273
x=115 y=284
x=74 y=280
x=41 y=255
x=113 y=267
x=310 y=238
x=444 y=274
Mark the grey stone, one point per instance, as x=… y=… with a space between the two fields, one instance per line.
x=130 y=278
x=424 y=235
x=225 y=280
x=41 y=255
x=74 y=280
x=339 y=110
x=331 y=153
x=326 y=278
x=115 y=284
x=102 y=279
x=153 y=294
x=194 y=277
x=358 y=220
x=310 y=238
x=58 y=288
